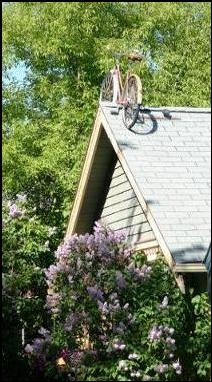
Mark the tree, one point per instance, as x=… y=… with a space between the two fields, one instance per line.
x=67 y=48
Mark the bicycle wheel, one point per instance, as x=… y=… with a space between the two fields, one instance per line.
x=106 y=92
x=132 y=95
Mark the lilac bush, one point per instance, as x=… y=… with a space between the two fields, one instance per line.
x=111 y=319
x=25 y=254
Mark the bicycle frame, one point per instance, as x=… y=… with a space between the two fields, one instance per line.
x=118 y=85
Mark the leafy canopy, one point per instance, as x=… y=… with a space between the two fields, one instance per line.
x=66 y=48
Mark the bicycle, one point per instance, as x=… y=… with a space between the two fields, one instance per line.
x=129 y=95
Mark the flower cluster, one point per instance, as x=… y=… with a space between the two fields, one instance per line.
x=37 y=345
x=16 y=206
x=118 y=344
x=142 y=273
x=164 y=334
x=158 y=332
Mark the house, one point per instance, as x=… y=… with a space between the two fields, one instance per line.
x=156 y=186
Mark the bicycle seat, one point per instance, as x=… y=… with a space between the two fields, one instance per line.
x=135 y=56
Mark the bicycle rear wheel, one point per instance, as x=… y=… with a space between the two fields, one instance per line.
x=133 y=97
x=106 y=92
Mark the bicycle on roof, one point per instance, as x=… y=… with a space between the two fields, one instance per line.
x=127 y=95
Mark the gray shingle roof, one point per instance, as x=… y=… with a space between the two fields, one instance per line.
x=171 y=167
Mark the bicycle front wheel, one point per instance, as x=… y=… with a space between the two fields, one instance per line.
x=132 y=96
x=106 y=92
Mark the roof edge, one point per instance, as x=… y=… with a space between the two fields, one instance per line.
x=183 y=109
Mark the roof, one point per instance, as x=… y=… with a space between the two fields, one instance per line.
x=171 y=169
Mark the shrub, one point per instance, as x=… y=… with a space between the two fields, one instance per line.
x=199 y=341
x=114 y=316
x=27 y=249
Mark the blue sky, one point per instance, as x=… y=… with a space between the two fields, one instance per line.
x=18 y=72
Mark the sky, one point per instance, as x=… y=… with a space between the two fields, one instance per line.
x=18 y=72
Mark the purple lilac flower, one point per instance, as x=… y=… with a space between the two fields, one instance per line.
x=44 y=332
x=177 y=367
x=95 y=293
x=98 y=228
x=121 y=283
x=155 y=334
x=51 y=272
x=37 y=345
x=170 y=340
x=116 y=237
x=167 y=331
x=144 y=272
x=71 y=321
x=161 y=368
x=90 y=244
x=114 y=306
x=29 y=349
x=62 y=251
x=118 y=345
x=164 y=303
x=103 y=307
x=127 y=252
x=133 y=356
x=76 y=357
x=14 y=212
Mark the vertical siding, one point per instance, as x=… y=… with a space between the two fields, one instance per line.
x=122 y=209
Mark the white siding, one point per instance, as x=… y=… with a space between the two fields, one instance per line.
x=122 y=210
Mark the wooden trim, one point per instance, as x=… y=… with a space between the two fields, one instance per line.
x=180 y=282
x=146 y=209
x=92 y=147
x=190 y=267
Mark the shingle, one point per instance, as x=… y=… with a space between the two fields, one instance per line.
x=172 y=170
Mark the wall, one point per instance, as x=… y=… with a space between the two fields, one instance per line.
x=122 y=210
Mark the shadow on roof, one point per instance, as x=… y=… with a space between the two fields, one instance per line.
x=184 y=255
x=147 y=124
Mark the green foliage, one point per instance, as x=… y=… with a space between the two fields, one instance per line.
x=199 y=343
x=27 y=246
x=67 y=48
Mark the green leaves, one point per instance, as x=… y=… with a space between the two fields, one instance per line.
x=67 y=48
